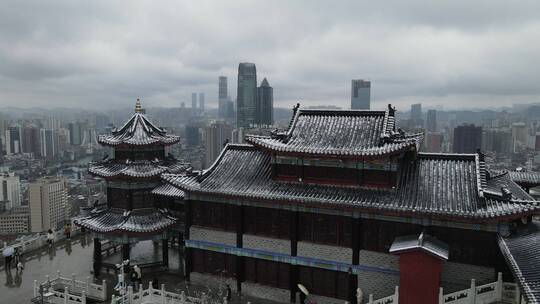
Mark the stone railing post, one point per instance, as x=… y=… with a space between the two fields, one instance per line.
x=66 y=295
x=73 y=282
x=83 y=297
x=150 y=291
x=130 y=294
x=48 y=279
x=472 y=292
x=370 y=299
x=104 y=290
x=163 y=297
x=182 y=298
x=499 y=287
x=35 y=288
x=58 y=274
x=87 y=284
x=225 y=300
x=441 y=295
x=140 y=292
x=396 y=295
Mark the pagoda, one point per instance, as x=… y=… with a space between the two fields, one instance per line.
x=140 y=154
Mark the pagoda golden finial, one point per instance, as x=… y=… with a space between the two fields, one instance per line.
x=138 y=108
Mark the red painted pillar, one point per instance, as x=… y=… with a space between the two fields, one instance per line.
x=419 y=276
x=420 y=264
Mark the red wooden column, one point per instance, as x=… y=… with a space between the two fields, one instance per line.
x=420 y=264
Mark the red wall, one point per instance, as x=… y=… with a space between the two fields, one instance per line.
x=419 y=276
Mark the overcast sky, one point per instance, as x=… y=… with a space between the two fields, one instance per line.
x=97 y=54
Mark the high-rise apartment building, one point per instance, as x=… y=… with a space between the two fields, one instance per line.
x=416 y=115
x=222 y=97
x=498 y=140
x=30 y=140
x=265 y=104
x=431 y=121
x=48 y=202
x=49 y=142
x=194 y=103
x=10 y=190
x=467 y=139
x=520 y=136
x=360 y=94
x=215 y=137
x=246 y=100
x=76 y=133
x=13 y=140
x=201 y=102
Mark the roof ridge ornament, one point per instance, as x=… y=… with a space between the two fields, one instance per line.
x=138 y=107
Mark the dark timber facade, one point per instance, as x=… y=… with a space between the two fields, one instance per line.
x=322 y=202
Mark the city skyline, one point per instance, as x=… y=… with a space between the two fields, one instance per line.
x=436 y=54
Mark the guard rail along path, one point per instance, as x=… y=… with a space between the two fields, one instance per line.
x=497 y=291
x=160 y=296
x=84 y=289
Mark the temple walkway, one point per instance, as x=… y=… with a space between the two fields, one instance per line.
x=75 y=257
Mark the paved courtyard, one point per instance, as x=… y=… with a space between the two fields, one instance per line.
x=75 y=257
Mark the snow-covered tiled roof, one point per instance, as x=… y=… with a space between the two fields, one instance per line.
x=443 y=185
x=521 y=251
x=423 y=242
x=349 y=133
x=168 y=190
x=141 y=169
x=525 y=178
x=119 y=220
x=138 y=131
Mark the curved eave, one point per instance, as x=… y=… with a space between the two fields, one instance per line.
x=390 y=150
x=530 y=207
x=104 y=140
x=146 y=170
x=124 y=226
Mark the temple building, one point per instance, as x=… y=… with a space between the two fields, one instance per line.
x=341 y=200
x=139 y=155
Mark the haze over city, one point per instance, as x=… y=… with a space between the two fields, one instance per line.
x=101 y=54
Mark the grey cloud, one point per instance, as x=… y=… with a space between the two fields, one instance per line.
x=88 y=53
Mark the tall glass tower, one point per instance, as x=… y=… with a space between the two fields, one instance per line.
x=265 y=103
x=222 y=97
x=246 y=102
x=360 y=94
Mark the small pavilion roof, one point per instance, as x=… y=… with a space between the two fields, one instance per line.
x=148 y=220
x=440 y=185
x=422 y=242
x=141 y=169
x=138 y=131
x=521 y=251
x=339 y=133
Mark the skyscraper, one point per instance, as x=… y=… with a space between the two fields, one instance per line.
x=416 y=115
x=76 y=133
x=194 y=103
x=13 y=140
x=431 y=123
x=467 y=139
x=48 y=203
x=222 y=97
x=30 y=140
x=10 y=190
x=246 y=102
x=201 y=102
x=49 y=143
x=360 y=94
x=215 y=137
x=265 y=104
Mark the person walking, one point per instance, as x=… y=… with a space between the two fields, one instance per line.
x=67 y=231
x=50 y=237
x=229 y=293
